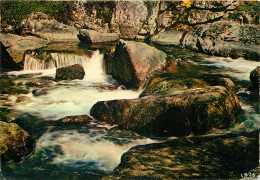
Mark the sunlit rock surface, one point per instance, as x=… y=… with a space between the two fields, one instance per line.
x=90 y=36
x=194 y=111
x=133 y=62
x=225 y=157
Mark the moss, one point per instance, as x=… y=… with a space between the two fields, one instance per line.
x=13 y=12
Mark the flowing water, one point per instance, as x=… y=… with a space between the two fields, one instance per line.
x=92 y=149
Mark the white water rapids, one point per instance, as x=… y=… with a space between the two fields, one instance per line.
x=72 y=97
x=94 y=148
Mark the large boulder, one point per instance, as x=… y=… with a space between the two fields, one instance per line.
x=43 y=25
x=134 y=62
x=128 y=18
x=15 y=142
x=219 y=157
x=91 y=36
x=195 y=111
x=75 y=71
x=255 y=78
x=16 y=45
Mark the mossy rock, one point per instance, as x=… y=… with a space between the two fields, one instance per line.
x=15 y=142
x=163 y=84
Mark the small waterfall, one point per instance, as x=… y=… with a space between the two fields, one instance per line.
x=32 y=63
x=55 y=60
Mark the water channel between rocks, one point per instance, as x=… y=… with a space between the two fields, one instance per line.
x=94 y=149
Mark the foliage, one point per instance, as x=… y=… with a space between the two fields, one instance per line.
x=186 y=3
x=13 y=12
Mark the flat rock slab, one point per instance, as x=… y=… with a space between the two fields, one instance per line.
x=220 y=157
x=91 y=36
x=195 y=111
x=17 y=45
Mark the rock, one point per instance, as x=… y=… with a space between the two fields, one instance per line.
x=7 y=61
x=255 y=78
x=91 y=15
x=128 y=18
x=213 y=5
x=198 y=16
x=40 y=92
x=172 y=37
x=217 y=157
x=194 y=111
x=14 y=142
x=226 y=39
x=90 y=36
x=218 y=80
x=33 y=82
x=77 y=119
x=133 y=62
x=16 y=45
x=165 y=84
x=43 y=25
x=149 y=27
x=75 y=71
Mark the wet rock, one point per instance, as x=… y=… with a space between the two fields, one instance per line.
x=33 y=82
x=128 y=18
x=43 y=25
x=16 y=45
x=90 y=36
x=77 y=119
x=133 y=62
x=40 y=92
x=13 y=90
x=218 y=80
x=254 y=78
x=224 y=157
x=165 y=84
x=70 y=72
x=14 y=142
x=194 y=111
x=172 y=37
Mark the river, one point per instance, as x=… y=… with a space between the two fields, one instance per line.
x=93 y=149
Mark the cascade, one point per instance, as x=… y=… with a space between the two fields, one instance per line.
x=57 y=60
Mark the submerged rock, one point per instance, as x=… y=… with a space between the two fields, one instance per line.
x=75 y=71
x=195 y=111
x=90 y=36
x=15 y=142
x=255 y=78
x=224 y=157
x=133 y=62
x=77 y=119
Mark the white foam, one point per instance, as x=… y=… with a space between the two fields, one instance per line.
x=74 y=147
x=239 y=68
